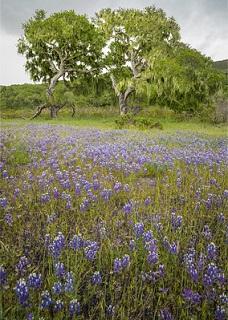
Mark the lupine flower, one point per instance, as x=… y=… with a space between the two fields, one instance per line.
x=45 y=197
x=57 y=287
x=91 y=250
x=147 y=236
x=211 y=251
x=59 y=269
x=117 y=265
x=191 y=296
x=74 y=307
x=220 y=313
x=34 y=280
x=120 y=264
x=147 y=201
x=22 y=292
x=76 y=243
x=128 y=207
x=139 y=229
x=3 y=276
x=84 y=205
x=176 y=221
x=22 y=265
x=57 y=245
x=165 y=314
x=46 y=300
x=8 y=219
x=132 y=245
x=58 y=306
x=125 y=261
x=3 y=202
x=69 y=282
x=221 y=218
x=30 y=316
x=96 y=278
x=152 y=257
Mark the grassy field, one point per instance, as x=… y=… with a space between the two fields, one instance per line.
x=99 y=223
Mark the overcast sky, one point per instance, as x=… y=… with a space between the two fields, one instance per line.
x=203 y=25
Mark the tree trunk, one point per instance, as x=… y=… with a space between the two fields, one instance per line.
x=53 y=111
x=122 y=104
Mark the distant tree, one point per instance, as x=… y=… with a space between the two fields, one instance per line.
x=132 y=37
x=64 y=45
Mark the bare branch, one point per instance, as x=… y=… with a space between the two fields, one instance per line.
x=39 y=110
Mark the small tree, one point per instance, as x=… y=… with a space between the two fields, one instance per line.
x=132 y=36
x=62 y=46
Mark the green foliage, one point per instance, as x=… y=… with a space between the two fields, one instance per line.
x=184 y=81
x=137 y=122
x=62 y=38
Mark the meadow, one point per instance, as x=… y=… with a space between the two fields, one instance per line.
x=100 y=223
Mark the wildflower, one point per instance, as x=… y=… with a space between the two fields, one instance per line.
x=127 y=208
x=139 y=229
x=57 y=245
x=8 y=219
x=91 y=250
x=58 y=306
x=125 y=261
x=76 y=243
x=220 y=313
x=59 y=269
x=152 y=257
x=57 y=287
x=176 y=221
x=22 y=292
x=45 y=197
x=69 y=282
x=34 y=280
x=74 y=307
x=132 y=245
x=3 y=202
x=96 y=278
x=3 y=276
x=46 y=300
x=22 y=265
x=147 y=236
x=165 y=314
x=211 y=251
x=117 y=265
x=191 y=296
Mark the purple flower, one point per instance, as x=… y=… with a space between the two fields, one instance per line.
x=96 y=278
x=147 y=236
x=125 y=261
x=8 y=219
x=69 y=282
x=139 y=229
x=3 y=276
x=74 y=307
x=34 y=280
x=191 y=296
x=76 y=243
x=211 y=251
x=220 y=313
x=58 y=306
x=176 y=221
x=59 y=269
x=46 y=300
x=147 y=201
x=127 y=208
x=152 y=257
x=45 y=197
x=91 y=250
x=3 y=202
x=22 y=292
x=22 y=265
x=57 y=287
x=56 y=247
x=165 y=314
x=117 y=265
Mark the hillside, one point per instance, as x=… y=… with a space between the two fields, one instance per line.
x=222 y=65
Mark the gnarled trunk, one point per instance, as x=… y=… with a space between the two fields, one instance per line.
x=122 y=104
x=54 y=111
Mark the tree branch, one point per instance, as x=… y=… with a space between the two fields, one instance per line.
x=39 y=110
